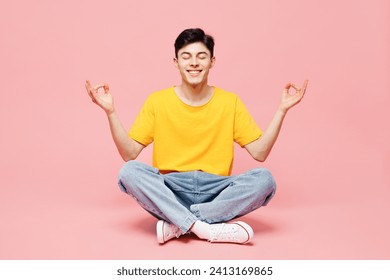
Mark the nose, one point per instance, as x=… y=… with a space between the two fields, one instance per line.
x=194 y=61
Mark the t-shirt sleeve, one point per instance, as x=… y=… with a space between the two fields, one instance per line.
x=142 y=129
x=245 y=127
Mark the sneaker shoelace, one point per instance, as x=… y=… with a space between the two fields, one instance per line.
x=171 y=230
x=224 y=232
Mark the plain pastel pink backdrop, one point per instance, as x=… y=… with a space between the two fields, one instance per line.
x=58 y=193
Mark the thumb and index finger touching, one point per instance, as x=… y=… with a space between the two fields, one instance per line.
x=92 y=91
x=301 y=90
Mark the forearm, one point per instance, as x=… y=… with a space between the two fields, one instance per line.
x=261 y=148
x=127 y=147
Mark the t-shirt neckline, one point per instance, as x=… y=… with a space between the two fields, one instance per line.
x=192 y=106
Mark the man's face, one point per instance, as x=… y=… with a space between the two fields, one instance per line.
x=194 y=62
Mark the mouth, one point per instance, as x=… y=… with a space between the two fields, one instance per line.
x=194 y=73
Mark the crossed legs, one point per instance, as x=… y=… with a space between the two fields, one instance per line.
x=197 y=201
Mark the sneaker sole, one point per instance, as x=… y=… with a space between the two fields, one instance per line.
x=160 y=231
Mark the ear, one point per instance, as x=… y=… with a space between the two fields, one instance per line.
x=212 y=62
x=175 y=62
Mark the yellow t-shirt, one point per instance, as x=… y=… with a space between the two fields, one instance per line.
x=188 y=138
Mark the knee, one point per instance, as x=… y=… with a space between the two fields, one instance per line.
x=128 y=169
x=134 y=174
x=265 y=182
x=129 y=172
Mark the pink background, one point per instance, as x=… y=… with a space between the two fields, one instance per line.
x=58 y=192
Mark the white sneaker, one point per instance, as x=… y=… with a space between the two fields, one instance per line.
x=235 y=232
x=166 y=231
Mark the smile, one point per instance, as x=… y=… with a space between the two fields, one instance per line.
x=194 y=72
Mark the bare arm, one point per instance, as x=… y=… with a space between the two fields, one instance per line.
x=128 y=148
x=260 y=148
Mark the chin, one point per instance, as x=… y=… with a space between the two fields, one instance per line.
x=195 y=82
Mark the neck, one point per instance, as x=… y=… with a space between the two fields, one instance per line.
x=194 y=94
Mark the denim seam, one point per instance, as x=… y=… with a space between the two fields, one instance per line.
x=188 y=222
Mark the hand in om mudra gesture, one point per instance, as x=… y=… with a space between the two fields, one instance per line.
x=291 y=99
x=105 y=100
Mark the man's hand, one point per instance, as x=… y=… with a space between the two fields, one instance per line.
x=105 y=101
x=260 y=148
x=291 y=99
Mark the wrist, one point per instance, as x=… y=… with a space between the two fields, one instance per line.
x=282 y=111
x=110 y=113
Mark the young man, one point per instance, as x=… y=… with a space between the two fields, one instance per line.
x=193 y=127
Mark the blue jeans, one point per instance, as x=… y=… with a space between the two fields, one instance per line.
x=182 y=198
